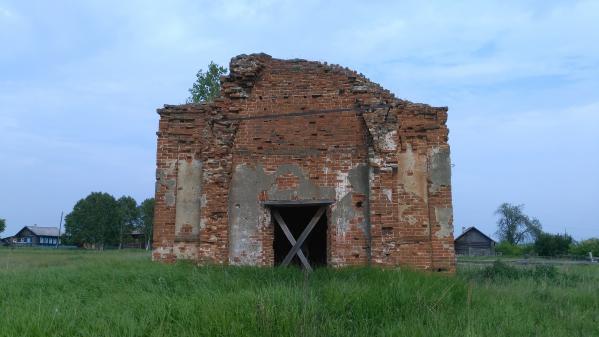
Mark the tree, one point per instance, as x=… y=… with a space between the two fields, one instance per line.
x=128 y=216
x=584 y=247
x=207 y=85
x=552 y=245
x=514 y=226
x=146 y=214
x=2 y=225
x=94 y=220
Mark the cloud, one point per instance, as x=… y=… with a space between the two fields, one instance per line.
x=81 y=81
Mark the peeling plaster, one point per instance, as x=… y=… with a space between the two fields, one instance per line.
x=343 y=211
x=165 y=177
x=388 y=193
x=163 y=251
x=342 y=185
x=444 y=216
x=440 y=168
x=186 y=251
x=248 y=218
x=412 y=173
x=188 y=201
x=389 y=142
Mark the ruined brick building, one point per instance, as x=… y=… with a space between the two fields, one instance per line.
x=292 y=144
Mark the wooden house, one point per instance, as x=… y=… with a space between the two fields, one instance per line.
x=473 y=242
x=36 y=236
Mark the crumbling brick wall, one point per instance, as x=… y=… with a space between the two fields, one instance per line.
x=286 y=130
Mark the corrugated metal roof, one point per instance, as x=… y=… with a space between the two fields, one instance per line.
x=43 y=231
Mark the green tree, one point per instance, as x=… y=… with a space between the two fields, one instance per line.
x=584 y=247
x=128 y=217
x=552 y=244
x=207 y=85
x=514 y=226
x=146 y=223
x=2 y=225
x=94 y=220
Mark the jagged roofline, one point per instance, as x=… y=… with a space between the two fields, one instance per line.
x=379 y=108
x=240 y=64
x=245 y=71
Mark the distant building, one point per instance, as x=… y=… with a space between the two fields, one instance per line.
x=36 y=236
x=6 y=241
x=473 y=242
x=135 y=239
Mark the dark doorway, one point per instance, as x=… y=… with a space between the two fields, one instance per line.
x=297 y=218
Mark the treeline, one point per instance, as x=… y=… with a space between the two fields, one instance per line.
x=552 y=245
x=100 y=220
x=520 y=234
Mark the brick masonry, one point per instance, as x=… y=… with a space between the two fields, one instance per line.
x=294 y=130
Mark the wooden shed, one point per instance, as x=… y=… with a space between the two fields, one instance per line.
x=473 y=242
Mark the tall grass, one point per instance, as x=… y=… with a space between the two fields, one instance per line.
x=79 y=293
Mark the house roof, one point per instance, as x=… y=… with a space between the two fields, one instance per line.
x=137 y=232
x=473 y=229
x=42 y=231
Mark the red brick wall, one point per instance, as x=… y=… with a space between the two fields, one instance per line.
x=299 y=130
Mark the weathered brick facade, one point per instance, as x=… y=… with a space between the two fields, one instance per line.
x=296 y=130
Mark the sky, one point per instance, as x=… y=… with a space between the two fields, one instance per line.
x=80 y=82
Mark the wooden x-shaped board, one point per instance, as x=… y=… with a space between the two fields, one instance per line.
x=297 y=245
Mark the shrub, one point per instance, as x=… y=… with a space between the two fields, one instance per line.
x=553 y=244
x=583 y=248
x=507 y=249
x=503 y=271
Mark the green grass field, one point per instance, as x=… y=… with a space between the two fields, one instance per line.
x=87 y=293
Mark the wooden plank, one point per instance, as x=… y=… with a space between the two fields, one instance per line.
x=291 y=239
x=303 y=236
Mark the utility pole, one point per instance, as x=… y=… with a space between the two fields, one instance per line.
x=59 y=229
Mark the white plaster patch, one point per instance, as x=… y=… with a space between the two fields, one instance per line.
x=342 y=186
x=413 y=173
x=186 y=251
x=378 y=161
x=163 y=250
x=340 y=231
x=164 y=178
x=390 y=143
x=388 y=193
x=444 y=216
x=188 y=200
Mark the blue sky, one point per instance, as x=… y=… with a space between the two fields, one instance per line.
x=80 y=82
